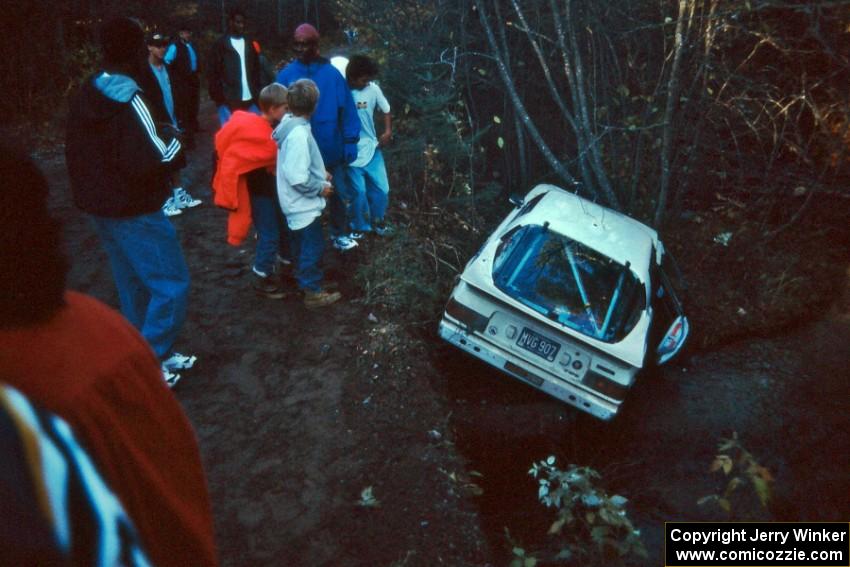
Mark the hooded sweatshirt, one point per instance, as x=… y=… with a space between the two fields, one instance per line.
x=335 y=121
x=300 y=172
x=118 y=164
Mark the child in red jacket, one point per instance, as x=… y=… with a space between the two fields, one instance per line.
x=244 y=183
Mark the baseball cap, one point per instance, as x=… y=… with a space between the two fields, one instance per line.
x=157 y=39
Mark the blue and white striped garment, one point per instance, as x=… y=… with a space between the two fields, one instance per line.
x=55 y=508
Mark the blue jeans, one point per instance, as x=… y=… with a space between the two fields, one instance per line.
x=340 y=201
x=308 y=244
x=150 y=273
x=370 y=189
x=268 y=221
x=224 y=113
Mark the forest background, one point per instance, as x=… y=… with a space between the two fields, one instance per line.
x=723 y=123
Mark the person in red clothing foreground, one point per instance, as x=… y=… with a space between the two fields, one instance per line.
x=81 y=360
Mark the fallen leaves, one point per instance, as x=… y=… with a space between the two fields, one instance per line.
x=367 y=499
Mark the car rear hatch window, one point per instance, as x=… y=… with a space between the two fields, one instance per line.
x=568 y=282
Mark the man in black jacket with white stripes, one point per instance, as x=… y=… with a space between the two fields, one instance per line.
x=119 y=165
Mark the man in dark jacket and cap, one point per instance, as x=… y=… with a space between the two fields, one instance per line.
x=119 y=165
x=184 y=67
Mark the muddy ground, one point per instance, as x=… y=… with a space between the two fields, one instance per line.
x=298 y=411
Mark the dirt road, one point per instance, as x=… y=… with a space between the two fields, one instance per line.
x=293 y=418
x=297 y=412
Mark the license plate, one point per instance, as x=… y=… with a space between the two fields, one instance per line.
x=538 y=344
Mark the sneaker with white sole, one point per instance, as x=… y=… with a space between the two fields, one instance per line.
x=170 y=378
x=183 y=200
x=344 y=243
x=356 y=235
x=170 y=209
x=179 y=361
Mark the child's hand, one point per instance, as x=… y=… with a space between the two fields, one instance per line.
x=328 y=175
x=385 y=138
x=327 y=191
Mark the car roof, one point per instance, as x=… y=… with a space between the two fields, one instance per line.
x=613 y=234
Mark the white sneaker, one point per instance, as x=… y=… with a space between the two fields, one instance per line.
x=170 y=209
x=183 y=200
x=344 y=243
x=171 y=378
x=179 y=361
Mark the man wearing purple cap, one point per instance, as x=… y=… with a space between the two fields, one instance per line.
x=335 y=124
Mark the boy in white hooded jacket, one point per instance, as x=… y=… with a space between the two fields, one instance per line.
x=302 y=186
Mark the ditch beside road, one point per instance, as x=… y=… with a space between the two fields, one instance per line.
x=298 y=412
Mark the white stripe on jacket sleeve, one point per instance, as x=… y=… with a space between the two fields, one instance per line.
x=168 y=152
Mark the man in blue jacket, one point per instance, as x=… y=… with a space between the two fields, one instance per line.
x=335 y=124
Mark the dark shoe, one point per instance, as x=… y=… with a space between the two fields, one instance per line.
x=314 y=299
x=268 y=287
x=382 y=229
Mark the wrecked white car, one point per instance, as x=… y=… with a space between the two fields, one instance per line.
x=570 y=297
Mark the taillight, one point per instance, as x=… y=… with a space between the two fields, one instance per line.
x=604 y=386
x=471 y=319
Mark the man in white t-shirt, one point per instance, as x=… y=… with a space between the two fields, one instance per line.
x=368 y=174
x=234 y=70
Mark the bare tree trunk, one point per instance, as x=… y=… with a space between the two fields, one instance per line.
x=584 y=134
x=520 y=144
x=669 y=113
x=554 y=93
x=519 y=107
x=592 y=138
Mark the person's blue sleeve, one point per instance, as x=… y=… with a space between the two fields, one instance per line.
x=350 y=123
x=350 y=119
x=170 y=54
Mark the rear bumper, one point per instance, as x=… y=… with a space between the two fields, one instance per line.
x=512 y=365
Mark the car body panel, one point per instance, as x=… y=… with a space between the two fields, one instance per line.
x=578 y=368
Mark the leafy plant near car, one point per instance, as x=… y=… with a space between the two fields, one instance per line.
x=592 y=526
x=745 y=478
